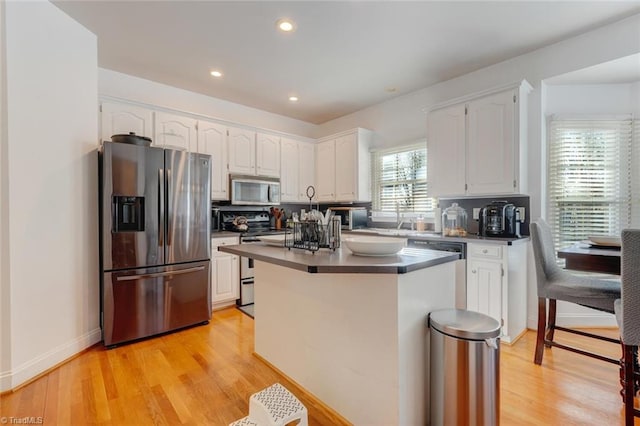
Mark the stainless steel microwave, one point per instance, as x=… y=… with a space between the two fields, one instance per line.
x=255 y=191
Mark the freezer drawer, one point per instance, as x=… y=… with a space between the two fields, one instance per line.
x=147 y=301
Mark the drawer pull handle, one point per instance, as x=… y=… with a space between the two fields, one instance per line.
x=485 y=251
x=473 y=271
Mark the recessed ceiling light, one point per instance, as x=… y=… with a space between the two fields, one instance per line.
x=293 y=98
x=286 y=25
x=216 y=73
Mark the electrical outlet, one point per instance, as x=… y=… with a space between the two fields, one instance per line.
x=476 y=213
x=521 y=213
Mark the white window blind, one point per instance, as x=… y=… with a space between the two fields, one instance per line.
x=590 y=184
x=400 y=180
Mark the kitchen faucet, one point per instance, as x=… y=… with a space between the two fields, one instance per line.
x=399 y=221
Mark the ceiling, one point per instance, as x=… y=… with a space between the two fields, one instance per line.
x=344 y=55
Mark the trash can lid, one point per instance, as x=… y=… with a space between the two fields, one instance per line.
x=464 y=324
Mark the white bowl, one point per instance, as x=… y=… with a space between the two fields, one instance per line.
x=374 y=246
x=605 y=240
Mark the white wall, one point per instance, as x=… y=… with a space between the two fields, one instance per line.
x=123 y=86
x=5 y=290
x=51 y=183
x=592 y=99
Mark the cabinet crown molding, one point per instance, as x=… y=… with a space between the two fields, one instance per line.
x=359 y=130
x=523 y=85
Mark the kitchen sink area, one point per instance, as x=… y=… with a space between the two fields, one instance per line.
x=398 y=232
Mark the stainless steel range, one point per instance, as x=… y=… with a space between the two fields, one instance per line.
x=251 y=222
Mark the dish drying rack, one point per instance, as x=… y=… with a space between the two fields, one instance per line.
x=313 y=235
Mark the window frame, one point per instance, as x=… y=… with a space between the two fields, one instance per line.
x=623 y=207
x=381 y=215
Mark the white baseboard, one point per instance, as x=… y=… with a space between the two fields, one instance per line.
x=30 y=369
x=579 y=320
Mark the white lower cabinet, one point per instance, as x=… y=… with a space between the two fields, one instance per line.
x=497 y=285
x=225 y=273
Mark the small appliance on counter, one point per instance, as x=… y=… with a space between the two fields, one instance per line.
x=454 y=221
x=499 y=219
x=352 y=217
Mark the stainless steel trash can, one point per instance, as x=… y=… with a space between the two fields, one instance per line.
x=464 y=368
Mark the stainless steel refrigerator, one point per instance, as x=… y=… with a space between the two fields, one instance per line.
x=155 y=244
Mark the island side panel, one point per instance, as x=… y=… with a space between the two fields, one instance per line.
x=419 y=293
x=334 y=334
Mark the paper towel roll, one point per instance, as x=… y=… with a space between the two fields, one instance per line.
x=437 y=224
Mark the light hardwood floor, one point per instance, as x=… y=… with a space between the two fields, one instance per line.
x=204 y=376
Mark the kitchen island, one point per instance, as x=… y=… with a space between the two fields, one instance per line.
x=350 y=329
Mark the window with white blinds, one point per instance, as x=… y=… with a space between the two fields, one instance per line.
x=400 y=180
x=591 y=184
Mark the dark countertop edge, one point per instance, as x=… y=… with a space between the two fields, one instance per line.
x=350 y=269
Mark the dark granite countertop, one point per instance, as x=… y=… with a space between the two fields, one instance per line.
x=342 y=261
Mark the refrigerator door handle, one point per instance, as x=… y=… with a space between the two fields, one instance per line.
x=159 y=274
x=161 y=207
x=170 y=211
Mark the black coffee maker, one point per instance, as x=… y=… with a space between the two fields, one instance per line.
x=499 y=219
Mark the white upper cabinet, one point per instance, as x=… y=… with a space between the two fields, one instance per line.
x=346 y=167
x=306 y=169
x=475 y=145
x=289 y=174
x=491 y=144
x=175 y=132
x=117 y=118
x=296 y=169
x=242 y=151
x=446 y=136
x=212 y=140
x=267 y=155
x=252 y=153
x=326 y=171
x=343 y=167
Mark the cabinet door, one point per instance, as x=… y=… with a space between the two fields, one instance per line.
x=267 y=155
x=212 y=140
x=225 y=279
x=242 y=151
x=346 y=171
x=446 y=151
x=484 y=287
x=175 y=132
x=491 y=145
x=225 y=272
x=119 y=119
x=326 y=171
x=306 y=169
x=289 y=166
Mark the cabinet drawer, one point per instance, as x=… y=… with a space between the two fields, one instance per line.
x=487 y=252
x=225 y=241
